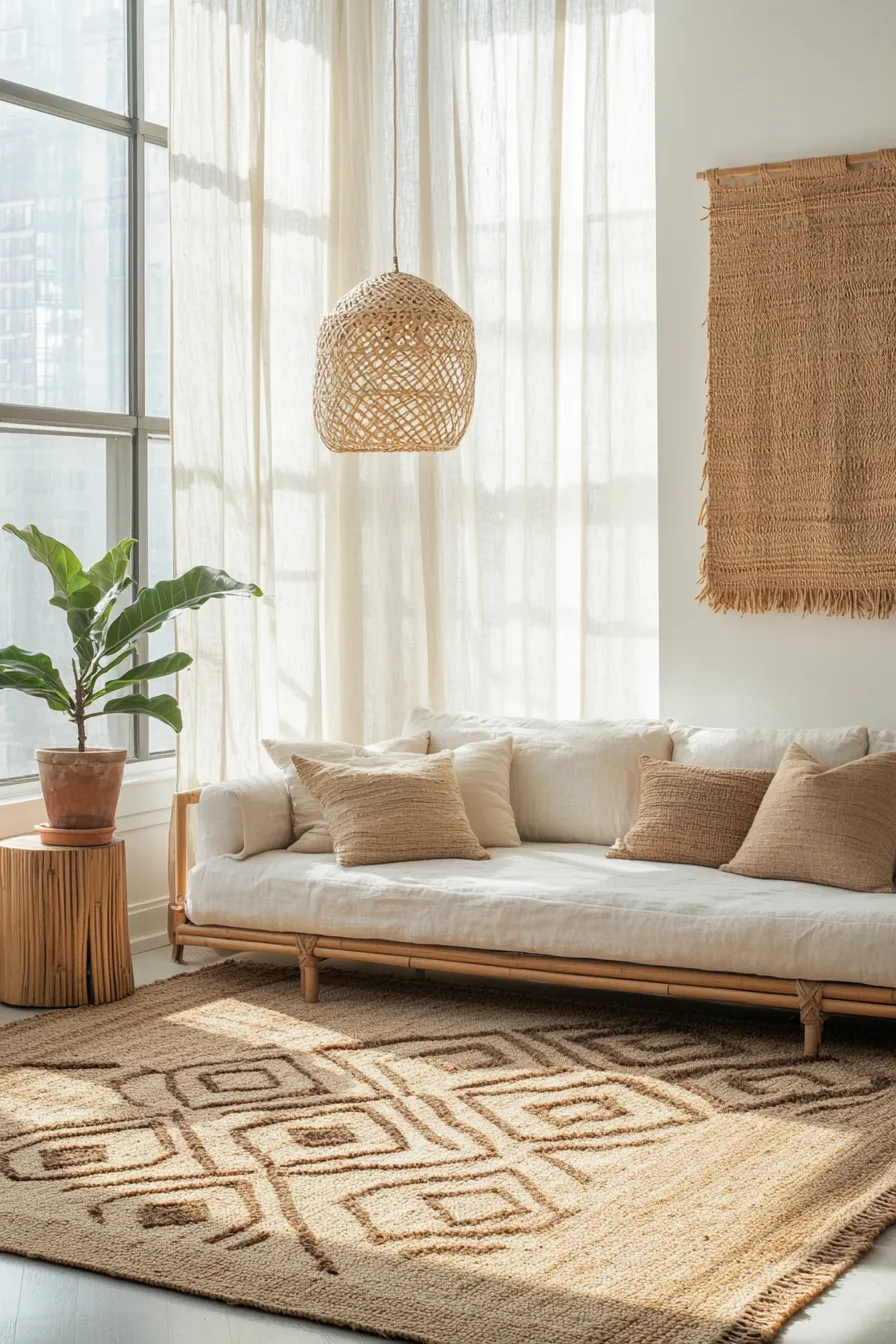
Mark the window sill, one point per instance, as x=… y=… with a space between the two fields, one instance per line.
x=160 y=771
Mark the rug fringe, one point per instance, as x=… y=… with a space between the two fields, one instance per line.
x=763 y=1318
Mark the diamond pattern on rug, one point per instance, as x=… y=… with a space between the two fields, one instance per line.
x=450 y=1166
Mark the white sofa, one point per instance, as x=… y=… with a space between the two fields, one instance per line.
x=554 y=909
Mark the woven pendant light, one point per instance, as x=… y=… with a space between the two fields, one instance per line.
x=396 y=358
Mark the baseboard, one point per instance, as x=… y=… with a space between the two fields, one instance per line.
x=148 y=924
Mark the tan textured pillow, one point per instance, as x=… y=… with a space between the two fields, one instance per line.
x=405 y=810
x=692 y=813
x=308 y=825
x=483 y=774
x=832 y=825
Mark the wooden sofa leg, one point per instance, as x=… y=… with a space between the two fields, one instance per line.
x=309 y=983
x=811 y=1039
x=810 y=993
x=177 y=952
x=309 y=975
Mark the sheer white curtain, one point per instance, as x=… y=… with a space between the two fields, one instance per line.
x=516 y=574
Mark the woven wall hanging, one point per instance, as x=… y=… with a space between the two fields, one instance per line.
x=800 y=440
x=396 y=358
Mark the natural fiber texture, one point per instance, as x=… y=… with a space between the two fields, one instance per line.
x=483 y=777
x=308 y=824
x=392 y=811
x=835 y=826
x=800 y=442
x=456 y=1166
x=692 y=813
x=396 y=369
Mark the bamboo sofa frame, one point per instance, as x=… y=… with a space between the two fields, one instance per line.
x=814 y=1000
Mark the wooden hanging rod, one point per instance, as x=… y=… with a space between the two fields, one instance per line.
x=754 y=169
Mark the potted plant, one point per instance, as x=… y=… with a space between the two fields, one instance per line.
x=81 y=784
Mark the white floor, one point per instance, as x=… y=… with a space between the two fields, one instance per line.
x=49 y=1304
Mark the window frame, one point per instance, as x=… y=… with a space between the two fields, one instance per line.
x=127 y=481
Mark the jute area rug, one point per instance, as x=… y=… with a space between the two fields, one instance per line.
x=457 y=1166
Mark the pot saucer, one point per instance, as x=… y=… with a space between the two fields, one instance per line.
x=59 y=835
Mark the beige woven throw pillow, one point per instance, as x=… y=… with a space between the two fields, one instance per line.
x=405 y=810
x=692 y=813
x=835 y=826
x=308 y=824
x=483 y=775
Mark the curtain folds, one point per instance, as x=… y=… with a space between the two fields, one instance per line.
x=517 y=574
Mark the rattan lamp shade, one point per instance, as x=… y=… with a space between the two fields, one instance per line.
x=396 y=369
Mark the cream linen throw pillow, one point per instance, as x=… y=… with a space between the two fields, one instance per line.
x=409 y=809
x=832 y=825
x=308 y=825
x=483 y=774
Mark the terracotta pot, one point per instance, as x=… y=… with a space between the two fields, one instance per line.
x=80 y=789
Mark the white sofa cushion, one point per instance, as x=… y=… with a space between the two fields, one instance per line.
x=763 y=748
x=309 y=828
x=881 y=739
x=569 y=781
x=243 y=817
x=564 y=900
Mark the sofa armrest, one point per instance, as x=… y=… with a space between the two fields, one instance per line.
x=243 y=817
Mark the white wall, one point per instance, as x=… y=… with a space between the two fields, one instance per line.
x=738 y=82
x=142 y=820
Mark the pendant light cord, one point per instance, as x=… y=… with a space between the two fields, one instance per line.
x=395 y=134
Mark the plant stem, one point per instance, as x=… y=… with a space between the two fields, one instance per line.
x=79 y=716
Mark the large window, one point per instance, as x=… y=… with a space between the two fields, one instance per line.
x=84 y=280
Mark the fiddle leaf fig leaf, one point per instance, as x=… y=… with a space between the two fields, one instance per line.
x=113 y=567
x=162 y=707
x=105 y=606
x=34 y=674
x=79 y=622
x=71 y=586
x=153 y=606
x=159 y=667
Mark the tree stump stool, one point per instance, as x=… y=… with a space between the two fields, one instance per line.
x=63 y=924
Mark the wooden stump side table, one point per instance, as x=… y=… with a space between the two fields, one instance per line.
x=63 y=924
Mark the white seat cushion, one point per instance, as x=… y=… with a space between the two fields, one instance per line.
x=564 y=900
x=572 y=781
x=763 y=748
